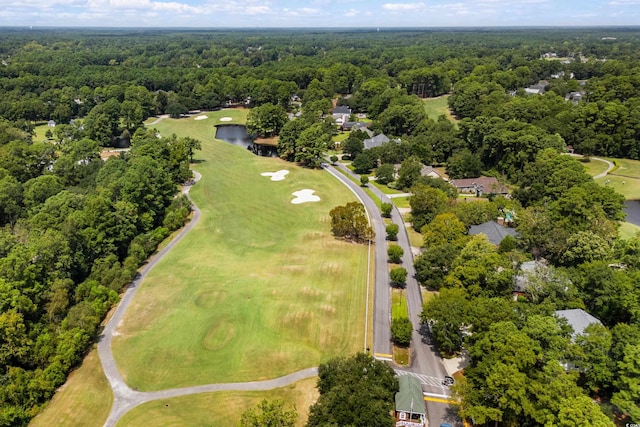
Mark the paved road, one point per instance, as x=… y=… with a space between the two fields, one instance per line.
x=381 y=307
x=425 y=360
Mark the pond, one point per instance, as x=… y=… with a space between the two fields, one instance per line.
x=237 y=135
x=632 y=209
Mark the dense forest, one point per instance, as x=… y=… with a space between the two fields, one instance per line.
x=75 y=228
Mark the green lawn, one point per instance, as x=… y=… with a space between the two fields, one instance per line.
x=219 y=409
x=258 y=289
x=435 y=107
x=626 y=167
x=595 y=167
x=84 y=400
x=401 y=202
x=385 y=189
x=628 y=187
x=398 y=304
x=628 y=230
x=415 y=238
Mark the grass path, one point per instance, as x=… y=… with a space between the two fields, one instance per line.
x=259 y=289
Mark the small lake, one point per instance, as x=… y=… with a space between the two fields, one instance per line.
x=632 y=209
x=237 y=135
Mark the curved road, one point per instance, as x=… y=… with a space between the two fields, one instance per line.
x=125 y=398
x=609 y=167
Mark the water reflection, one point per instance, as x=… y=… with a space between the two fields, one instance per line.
x=237 y=135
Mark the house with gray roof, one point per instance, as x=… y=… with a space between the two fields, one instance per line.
x=376 y=141
x=578 y=319
x=494 y=231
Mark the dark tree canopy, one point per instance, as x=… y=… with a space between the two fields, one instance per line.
x=355 y=391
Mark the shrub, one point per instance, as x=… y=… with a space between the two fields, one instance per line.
x=398 y=277
x=395 y=253
x=392 y=231
x=401 y=330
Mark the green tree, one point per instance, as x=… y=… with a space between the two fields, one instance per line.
x=356 y=391
x=445 y=228
x=266 y=120
x=364 y=162
x=409 y=173
x=628 y=384
x=312 y=144
x=447 y=314
x=385 y=209
x=401 y=330
x=395 y=253
x=398 y=277
x=385 y=174
x=269 y=414
x=354 y=145
x=592 y=357
x=364 y=180
x=464 y=164
x=392 y=231
x=426 y=203
x=350 y=222
x=288 y=145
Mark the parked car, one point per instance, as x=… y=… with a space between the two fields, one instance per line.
x=448 y=381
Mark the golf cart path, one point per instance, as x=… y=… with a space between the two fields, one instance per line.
x=609 y=167
x=124 y=397
x=158 y=119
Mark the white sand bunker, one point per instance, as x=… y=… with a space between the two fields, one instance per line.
x=200 y=117
x=225 y=119
x=276 y=176
x=303 y=196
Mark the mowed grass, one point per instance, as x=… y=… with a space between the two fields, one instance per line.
x=435 y=107
x=84 y=400
x=220 y=409
x=594 y=166
x=259 y=289
x=628 y=230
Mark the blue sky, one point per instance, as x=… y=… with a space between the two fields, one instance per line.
x=318 y=13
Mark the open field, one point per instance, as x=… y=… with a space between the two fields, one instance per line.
x=219 y=409
x=435 y=107
x=628 y=187
x=258 y=289
x=84 y=400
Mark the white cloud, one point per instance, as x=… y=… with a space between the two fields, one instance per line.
x=403 y=7
x=351 y=12
x=303 y=11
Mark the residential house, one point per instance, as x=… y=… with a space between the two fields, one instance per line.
x=431 y=172
x=341 y=114
x=410 y=410
x=51 y=123
x=494 y=231
x=376 y=141
x=538 y=88
x=578 y=319
x=575 y=97
x=521 y=281
x=363 y=126
x=479 y=186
